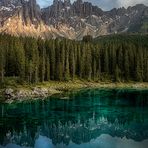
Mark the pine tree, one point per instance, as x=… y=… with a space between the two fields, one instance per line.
x=2 y=64
x=58 y=63
x=106 y=61
x=42 y=54
x=67 y=72
x=126 y=65
x=52 y=55
x=117 y=74
x=47 y=78
x=94 y=64
x=72 y=62
x=82 y=61
x=88 y=62
x=139 y=67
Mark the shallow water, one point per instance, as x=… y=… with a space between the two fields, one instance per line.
x=90 y=118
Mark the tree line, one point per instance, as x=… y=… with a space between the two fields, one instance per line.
x=110 y=58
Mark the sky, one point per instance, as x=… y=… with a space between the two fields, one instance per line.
x=104 y=4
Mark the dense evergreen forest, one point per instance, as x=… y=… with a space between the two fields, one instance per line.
x=110 y=58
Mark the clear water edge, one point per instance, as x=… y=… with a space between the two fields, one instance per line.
x=105 y=118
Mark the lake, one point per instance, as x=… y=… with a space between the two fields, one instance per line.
x=89 y=118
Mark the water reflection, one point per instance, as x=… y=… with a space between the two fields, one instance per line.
x=89 y=118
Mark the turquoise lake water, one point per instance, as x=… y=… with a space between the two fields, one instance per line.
x=89 y=118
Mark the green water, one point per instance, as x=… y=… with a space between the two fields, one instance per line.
x=90 y=118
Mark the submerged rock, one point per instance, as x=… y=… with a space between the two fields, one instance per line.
x=9 y=93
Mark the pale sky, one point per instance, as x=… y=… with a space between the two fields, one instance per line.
x=104 y=4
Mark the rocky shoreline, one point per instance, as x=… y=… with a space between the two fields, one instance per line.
x=11 y=94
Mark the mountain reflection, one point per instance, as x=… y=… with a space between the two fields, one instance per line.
x=87 y=115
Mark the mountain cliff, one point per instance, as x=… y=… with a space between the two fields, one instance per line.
x=70 y=20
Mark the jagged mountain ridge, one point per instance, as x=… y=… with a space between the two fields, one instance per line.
x=70 y=20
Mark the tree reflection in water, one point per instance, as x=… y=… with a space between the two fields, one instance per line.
x=87 y=118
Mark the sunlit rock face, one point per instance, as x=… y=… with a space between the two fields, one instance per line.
x=70 y=20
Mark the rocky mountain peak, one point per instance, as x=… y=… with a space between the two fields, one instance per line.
x=67 y=2
x=71 y=20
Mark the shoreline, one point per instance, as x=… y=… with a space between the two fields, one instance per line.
x=45 y=89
